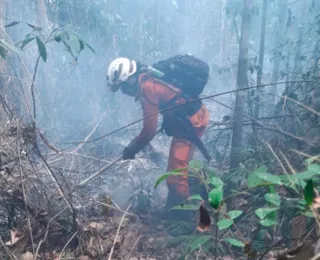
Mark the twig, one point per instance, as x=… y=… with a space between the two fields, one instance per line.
x=112 y=207
x=216 y=236
x=115 y=239
x=59 y=258
x=90 y=134
x=54 y=179
x=22 y=184
x=293 y=171
x=84 y=182
x=47 y=143
x=280 y=163
x=314 y=158
x=191 y=102
x=32 y=89
x=10 y=254
x=134 y=245
x=273 y=129
x=47 y=231
x=300 y=104
x=85 y=156
x=316 y=257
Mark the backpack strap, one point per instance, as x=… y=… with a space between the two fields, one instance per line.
x=191 y=135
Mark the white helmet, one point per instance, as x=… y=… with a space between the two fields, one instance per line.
x=119 y=71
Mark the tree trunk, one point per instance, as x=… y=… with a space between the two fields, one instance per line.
x=2 y=61
x=278 y=49
x=297 y=67
x=225 y=34
x=261 y=57
x=2 y=15
x=242 y=82
x=46 y=88
x=42 y=17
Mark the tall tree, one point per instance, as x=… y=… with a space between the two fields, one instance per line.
x=225 y=35
x=261 y=58
x=2 y=15
x=46 y=84
x=242 y=82
x=301 y=11
x=2 y=60
x=278 y=48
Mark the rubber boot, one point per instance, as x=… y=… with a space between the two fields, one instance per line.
x=182 y=217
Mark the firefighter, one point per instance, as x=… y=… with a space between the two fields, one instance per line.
x=155 y=95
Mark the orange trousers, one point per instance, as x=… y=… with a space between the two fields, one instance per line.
x=181 y=152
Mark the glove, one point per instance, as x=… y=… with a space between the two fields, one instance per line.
x=128 y=153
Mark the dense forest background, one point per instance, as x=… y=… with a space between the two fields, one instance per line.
x=59 y=124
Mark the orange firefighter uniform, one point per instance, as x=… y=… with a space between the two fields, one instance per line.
x=152 y=94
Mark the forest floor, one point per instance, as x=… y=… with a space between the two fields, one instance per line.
x=118 y=215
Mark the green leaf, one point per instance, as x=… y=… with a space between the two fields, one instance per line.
x=308 y=214
x=27 y=41
x=253 y=179
x=235 y=213
x=42 y=49
x=263 y=212
x=267 y=222
x=273 y=198
x=312 y=170
x=234 y=242
x=272 y=189
x=270 y=178
x=195 y=197
x=34 y=27
x=196 y=165
x=312 y=160
x=215 y=198
x=304 y=175
x=200 y=241
x=12 y=24
x=81 y=45
x=73 y=42
x=309 y=193
x=2 y=52
x=217 y=182
x=83 y=41
x=167 y=175
x=88 y=46
x=315 y=167
x=10 y=47
x=224 y=223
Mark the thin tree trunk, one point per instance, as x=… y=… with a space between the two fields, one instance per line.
x=258 y=92
x=46 y=84
x=2 y=61
x=2 y=15
x=225 y=34
x=297 y=68
x=278 y=49
x=42 y=18
x=242 y=82
x=261 y=58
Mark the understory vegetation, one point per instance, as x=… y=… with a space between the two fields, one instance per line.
x=257 y=199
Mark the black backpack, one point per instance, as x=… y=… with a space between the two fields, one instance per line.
x=185 y=72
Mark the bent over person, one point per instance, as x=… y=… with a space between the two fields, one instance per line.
x=183 y=118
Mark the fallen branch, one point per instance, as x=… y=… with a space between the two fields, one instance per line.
x=115 y=239
x=47 y=143
x=84 y=182
x=300 y=104
x=65 y=246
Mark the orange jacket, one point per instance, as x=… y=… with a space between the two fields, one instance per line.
x=152 y=93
